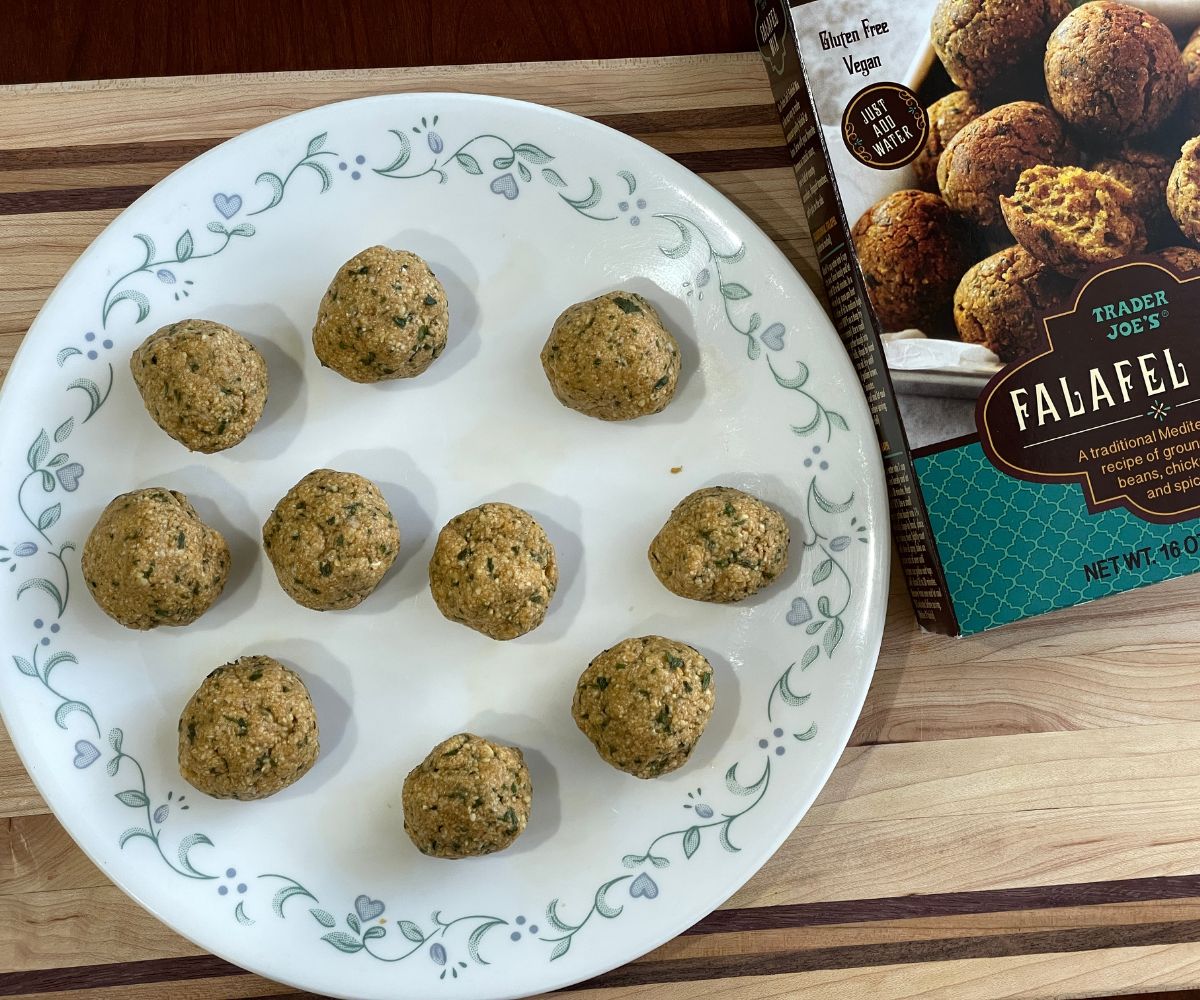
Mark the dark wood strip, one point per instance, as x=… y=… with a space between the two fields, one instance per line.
x=896 y=953
x=69 y=199
x=948 y=904
x=683 y=970
x=182 y=150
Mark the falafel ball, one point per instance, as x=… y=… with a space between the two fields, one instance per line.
x=467 y=798
x=249 y=731
x=383 y=317
x=494 y=570
x=331 y=539
x=644 y=704
x=611 y=357
x=720 y=545
x=151 y=561
x=203 y=383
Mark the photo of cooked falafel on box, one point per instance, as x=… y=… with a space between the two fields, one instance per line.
x=1060 y=137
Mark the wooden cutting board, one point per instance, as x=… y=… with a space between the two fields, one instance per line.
x=1018 y=814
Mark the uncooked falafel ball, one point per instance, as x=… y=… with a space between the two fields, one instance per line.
x=151 y=561
x=249 y=731
x=644 y=704
x=383 y=317
x=611 y=357
x=203 y=383
x=469 y=797
x=331 y=539
x=494 y=570
x=720 y=545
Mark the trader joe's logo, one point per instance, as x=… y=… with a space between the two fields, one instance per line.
x=884 y=126
x=1114 y=402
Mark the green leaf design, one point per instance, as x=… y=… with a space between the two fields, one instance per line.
x=326 y=177
x=524 y=172
x=834 y=636
x=133 y=797
x=554 y=919
x=323 y=917
x=723 y=836
x=787 y=694
x=129 y=295
x=113 y=766
x=823 y=605
x=133 y=831
x=63 y=430
x=821 y=573
x=23 y=665
x=502 y=162
x=629 y=179
x=38 y=451
x=734 y=290
x=531 y=153
x=808 y=734
x=46 y=586
x=374 y=932
x=343 y=941
x=287 y=892
x=402 y=156
x=731 y=258
x=242 y=229
x=659 y=862
x=55 y=660
x=148 y=245
x=476 y=939
x=239 y=914
x=49 y=517
x=755 y=323
x=217 y=227
x=805 y=429
x=47 y=481
x=837 y=420
x=815 y=627
x=685 y=240
x=828 y=505
x=66 y=352
x=411 y=931
x=468 y=163
x=58 y=460
x=551 y=176
x=810 y=655
x=753 y=348
x=316 y=142
x=601 y=903
x=691 y=841
x=560 y=949
x=184 y=246
x=797 y=380
x=115 y=739
x=353 y=924
x=735 y=786
x=276 y=185
x=587 y=201
x=185 y=846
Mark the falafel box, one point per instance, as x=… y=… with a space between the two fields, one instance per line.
x=1004 y=200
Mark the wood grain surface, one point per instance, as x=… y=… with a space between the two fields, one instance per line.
x=1017 y=815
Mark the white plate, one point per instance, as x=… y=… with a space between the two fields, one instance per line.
x=521 y=210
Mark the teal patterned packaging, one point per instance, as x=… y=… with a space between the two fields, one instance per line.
x=1004 y=200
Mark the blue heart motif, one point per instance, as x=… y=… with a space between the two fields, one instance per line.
x=86 y=754
x=69 y=476
x=643 y=885
x=799 y=612
x=772 y=336
x=228 y=204
x=367 y=908
x=506 y=185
